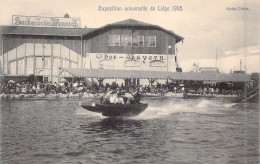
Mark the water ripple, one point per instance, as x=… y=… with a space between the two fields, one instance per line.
x=168 y=131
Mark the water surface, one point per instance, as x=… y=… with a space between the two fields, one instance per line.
x=170 y=130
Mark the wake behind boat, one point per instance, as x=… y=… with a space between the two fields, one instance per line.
x=115 y=110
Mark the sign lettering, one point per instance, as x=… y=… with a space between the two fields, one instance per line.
x=46 y=21
x=141 y=58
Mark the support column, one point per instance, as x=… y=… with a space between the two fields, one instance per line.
x=82 y=52
x=60 y=60
x=25 y=59
x=78 y=56
x=52 y=62
x=69 y=54
x=7 y=63
x=100 y=80
x=43 y=56
x=60 y=71
x=2 y=53
x=126 y=82
x=151 y=81
x=16 y=61
x=34 y=60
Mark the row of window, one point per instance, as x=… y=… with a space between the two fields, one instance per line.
x=40 y=63
x=129 y=40
x=31 y=49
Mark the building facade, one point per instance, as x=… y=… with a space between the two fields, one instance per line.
x=125 y=45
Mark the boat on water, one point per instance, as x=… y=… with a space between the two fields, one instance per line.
x=115 y=110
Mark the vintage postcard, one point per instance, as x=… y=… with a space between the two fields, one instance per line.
x=129 y=81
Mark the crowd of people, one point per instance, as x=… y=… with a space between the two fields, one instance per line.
x=80 y=88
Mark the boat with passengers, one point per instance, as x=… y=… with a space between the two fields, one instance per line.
x=117 y=104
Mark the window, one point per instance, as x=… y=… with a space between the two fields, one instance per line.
x=38 y=49
x=126 y=40
x=21 y=51
x=39 y=62
x=29 y=49
x=65 y=52
x=138 y=40
x=12 y=67
x=47 y=49
x=150 y=41
x=114 y=40
x=20 y=67
x=47 y=62
x=29 y=66
x=56 y=65
x=56 y=50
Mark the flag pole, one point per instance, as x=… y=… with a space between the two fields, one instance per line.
x=216 y=57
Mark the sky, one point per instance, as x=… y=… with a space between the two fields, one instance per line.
x=210 y=31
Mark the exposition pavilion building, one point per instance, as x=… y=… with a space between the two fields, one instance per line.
x=42 y=46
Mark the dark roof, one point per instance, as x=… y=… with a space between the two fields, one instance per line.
x=130 y=22
x=106 y=73
x=135 y=23
x=210 y=76
x=47 y=31
x=51 y=31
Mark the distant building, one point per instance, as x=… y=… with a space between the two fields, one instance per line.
x=208 y=69
x=196 y=68
x=243 y=72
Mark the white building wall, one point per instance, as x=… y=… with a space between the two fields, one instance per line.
x=144 y=62
x=40 y=59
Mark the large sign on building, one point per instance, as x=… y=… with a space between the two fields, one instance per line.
x=145 y=62
x=37 y=21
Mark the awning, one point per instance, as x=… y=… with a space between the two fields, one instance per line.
x=120 y=74
x=124 y=74
x=210 y=76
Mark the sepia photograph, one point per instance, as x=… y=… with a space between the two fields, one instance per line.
x=129 y=81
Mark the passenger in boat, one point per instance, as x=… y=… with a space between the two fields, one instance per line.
x=136 y=97
x=119 y=97
x=124 y=100
x=116 y=97
x=127 y=98
x=106 y=98
x=112 y=99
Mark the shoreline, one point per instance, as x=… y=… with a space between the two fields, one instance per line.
x=4 y=96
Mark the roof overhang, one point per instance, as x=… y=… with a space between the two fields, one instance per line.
x=118 y=74
x=131 y=23
x=124 y=74
x=210 y=76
